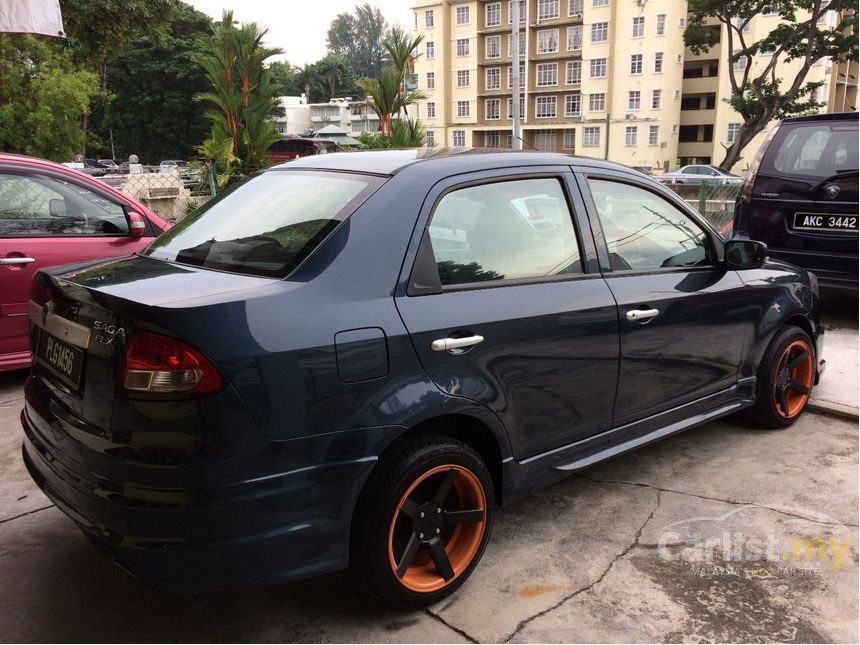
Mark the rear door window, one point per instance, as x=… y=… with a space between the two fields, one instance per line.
x=813 y=150
x=268 y=224
x=504 y=231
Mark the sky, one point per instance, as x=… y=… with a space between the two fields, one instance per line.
x=299 y=26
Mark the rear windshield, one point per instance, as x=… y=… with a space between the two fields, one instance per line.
x=813 y=150
x=267 y=224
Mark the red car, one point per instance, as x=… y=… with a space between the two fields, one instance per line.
x=49 y=215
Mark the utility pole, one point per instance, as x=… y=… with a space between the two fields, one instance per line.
x=517 y=142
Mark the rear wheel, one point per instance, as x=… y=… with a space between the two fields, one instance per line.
x=422 y=522
x=785 y=379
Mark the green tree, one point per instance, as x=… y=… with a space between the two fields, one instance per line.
x=243 y=92
x=403 y=50
x=759 y=95
x=43 y=98
x=153 y=81
x=358 y=38
x=286 y=76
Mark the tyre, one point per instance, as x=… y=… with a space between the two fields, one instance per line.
x=784 y=380
x=422 y=521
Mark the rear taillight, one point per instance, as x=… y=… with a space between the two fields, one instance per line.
x=164 y=367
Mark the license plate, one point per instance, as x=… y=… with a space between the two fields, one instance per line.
x=825 y=222
x=63 y=360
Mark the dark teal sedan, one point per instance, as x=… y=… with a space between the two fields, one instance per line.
x=352 y=359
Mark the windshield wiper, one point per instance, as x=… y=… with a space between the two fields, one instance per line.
x=839 y=174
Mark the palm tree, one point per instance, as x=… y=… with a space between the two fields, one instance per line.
x=384 y=96
x=403 y=49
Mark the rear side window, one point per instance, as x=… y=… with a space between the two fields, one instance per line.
x=813 y=150
x=267 y=224
x=504 y=231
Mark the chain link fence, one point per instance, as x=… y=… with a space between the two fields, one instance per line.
x=173 y=195
x=716 y=202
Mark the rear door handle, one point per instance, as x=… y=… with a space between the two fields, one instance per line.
x=444 y=344
x=638 y=315
x=17 y=260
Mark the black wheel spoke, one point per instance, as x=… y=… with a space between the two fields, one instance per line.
x=798 y=387
x=469 y=516
x=444 y=487
x=797 y=360
x=440 y=558
x=410 y=508
x=782 y=396
x=408 y=555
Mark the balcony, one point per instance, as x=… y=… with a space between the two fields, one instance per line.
x=703 y=85
x=698 y=117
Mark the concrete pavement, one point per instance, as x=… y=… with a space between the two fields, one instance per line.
x=838 y=391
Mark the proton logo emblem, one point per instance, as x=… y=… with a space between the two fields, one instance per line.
x=831 y=191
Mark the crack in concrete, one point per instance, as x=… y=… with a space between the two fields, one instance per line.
x=627 y=549
x=713 y=499
x=461 y=632
x=35 y=510
x=11 y=403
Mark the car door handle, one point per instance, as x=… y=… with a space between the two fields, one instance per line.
x=444 y=344
x=17 y=260
x=636 y=315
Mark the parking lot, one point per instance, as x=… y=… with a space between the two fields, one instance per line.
x=723 y=533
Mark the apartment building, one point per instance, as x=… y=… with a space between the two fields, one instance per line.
x=603 y=78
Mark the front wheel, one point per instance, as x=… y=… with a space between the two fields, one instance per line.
x=422 y=522
x=785 y=379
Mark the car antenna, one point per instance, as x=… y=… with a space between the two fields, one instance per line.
x=528 y=144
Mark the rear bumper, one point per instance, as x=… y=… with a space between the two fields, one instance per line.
x=282 y=527
x=834 y=272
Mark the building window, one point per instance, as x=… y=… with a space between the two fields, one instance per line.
x=732 y=133
x=682 y=22
x=493 y=108
x=630 y=134
x=463 y=15
x=740 y=64
x=491 y=138
x=522 y=75
x=522 y=108
x=462 y=47
x=547 y=9
x=462 y=109
x=415 y=16
x=430 y=49
x=547 y=74
x=431 y=138
x=590 y=137
x=597 y=68
x=431 y=110
x=634 y=100
x=459 y=137
x=653 y=134
x=522 y=40
x=661 y=24
x=636 y=63
x=545 y=140
x=572 y=105
x=599 y=3
x=431 y=81
x=742 y=24
x=574 y=72
x=658 y=62
x=493 y=46
x=545 y=107
x=574 y=7
x=599 y=32
x=656 y=99
x=511 y=12
x=494 y=14
x=494 y=78
x=463 y=78
x=638 y=26
x=428 y=18
x=574 y=38
x=547 y=41
x=569 y=142
x=597 y=102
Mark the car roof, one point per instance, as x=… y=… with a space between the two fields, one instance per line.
x=831 y=116
x=390 y=162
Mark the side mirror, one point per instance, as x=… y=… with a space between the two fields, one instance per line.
x=745 y=254
x=136 y=224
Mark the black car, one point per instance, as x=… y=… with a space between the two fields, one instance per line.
x=800 y=197
x=351 y=359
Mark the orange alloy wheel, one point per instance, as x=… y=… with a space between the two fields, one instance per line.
x=792 y=380
x=437 y=528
